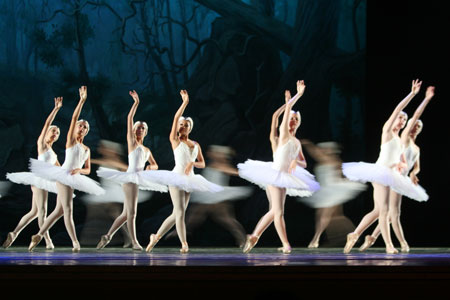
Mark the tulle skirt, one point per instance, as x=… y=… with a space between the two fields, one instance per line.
x=63 y=176
x=229 y=193
x=191 y=183
x=146 y=180
x=334 y=190
x=376 y=173
x=300 y=183
x=29 y=178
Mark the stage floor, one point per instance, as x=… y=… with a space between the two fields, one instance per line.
x=222 y=257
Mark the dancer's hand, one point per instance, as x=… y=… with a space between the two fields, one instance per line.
x=401 y=167
x=301 y=87
x=83 y=93
x=414 y=178
x=75 y=171
x=189 y=168
x=135 y=96
x=415 y=88
x=292 y=166
x=58 y=102
x=184 y=96
x=429 y=93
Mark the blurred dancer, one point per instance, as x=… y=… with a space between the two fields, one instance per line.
x=133 y=179
x=217 y=205
x=39 y=186
x=69 y=177
x=183 y=181
x=286 y=175
x=385 y=175
x=412 y=155
x=334 y=189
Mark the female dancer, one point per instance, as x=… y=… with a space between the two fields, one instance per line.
x=188 y=155
x=385 y=174
x=282 y=176
x=68 y=177
x=412 y=152
x=133 y=179
x=334 y=189
x=39 y=186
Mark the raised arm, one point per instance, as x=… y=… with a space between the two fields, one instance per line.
x=71 y=138
x=173 y=133
x=415 y=88
x=274 y=127
x=420 y=109
x=131 y=139
x=48 y=122
x=284 y=127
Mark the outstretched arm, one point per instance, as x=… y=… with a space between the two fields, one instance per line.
x=173 y=133
x=131 y=139
x=71 y=139
x=420 y=109
x=48 y=122
x=284 y=127
x=415 y=88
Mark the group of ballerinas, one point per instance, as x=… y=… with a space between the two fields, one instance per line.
x=285 y=175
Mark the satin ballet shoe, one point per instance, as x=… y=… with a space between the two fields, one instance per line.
x=250 y=243
x=49 y=244
x=9 y=240
x=153 y=240
x=137 y=247
x=104 y=240
x=391 y=250
x=351 y=240
x=35 y=240
x=184 y=248
x=404 y=247
x=286 y=249
x=76 y=247
x=313 y=245
x=368 y=242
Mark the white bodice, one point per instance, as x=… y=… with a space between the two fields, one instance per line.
x=137 y=159
x=48 y=156
x=184 y=155
x=411 y=154
x=75 y=157
x=285 y=154
x=390 y=152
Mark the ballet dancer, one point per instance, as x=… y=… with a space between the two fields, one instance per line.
x=188 y=155
x=286 y=175
x=385 y=174
x=39 y=186
x=69 y=177
x=133 y=179
x=334 y=188
x=412 y=155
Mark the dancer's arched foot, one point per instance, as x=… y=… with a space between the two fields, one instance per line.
x=184 y=248
x=368 y=242
x=405 y=247
x=351 y=240
x=104 y=240
x=9 y=239
x=76 y=247
x=250 y=243
x=153 y=240
x=35 y=240
x=391 y=250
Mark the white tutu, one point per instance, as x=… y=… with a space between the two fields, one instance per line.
x=56 y=173
x=377 y=173
x=114 y=193
x=189 y=183
x=300 y=183
x=29 y=178
x=144 y=179
x=334 y=190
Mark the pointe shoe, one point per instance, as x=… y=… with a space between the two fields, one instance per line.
x=368 y=242
x=137 y=247
x=104 y=240
x=35 y=240
x=286 y=249
x=49 y=244
x=9 y=239
x=405 y=247
x=351 y=240
x=313 y=245
x=250 y=243
x=391 y=250
x=153 y=240
x=184 y=248
x=76 y=247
